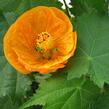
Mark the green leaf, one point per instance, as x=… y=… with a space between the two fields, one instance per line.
x=102 y=102
x=58 y=93
x=92 y=50
x=20 y=6
x=54 y=3
x=77 y=66
x=12 y=83
x=7 y=103
x=10 y=17
x=9 y=5
x=82 y=6
x=23 y=6
x=3 y=27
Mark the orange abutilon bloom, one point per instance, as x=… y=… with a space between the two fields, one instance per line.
x=41 y=40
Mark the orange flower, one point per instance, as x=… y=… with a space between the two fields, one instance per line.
x=41 y=40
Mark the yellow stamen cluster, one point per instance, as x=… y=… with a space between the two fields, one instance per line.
x=44 y=45
x=42 y=37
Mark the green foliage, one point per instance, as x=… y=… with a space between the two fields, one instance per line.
x=9 y=5
x=58 y=93
x=75 y=86
x=82 y=6
x=92 y=50
x=7 y=103
x=102 y=102
x=3 y=28
x=12 y=83
x=54 y=3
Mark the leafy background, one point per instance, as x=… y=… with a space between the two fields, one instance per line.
x=83 y=83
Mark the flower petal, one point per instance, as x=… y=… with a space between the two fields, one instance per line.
x=10 y=54
x=52 y=65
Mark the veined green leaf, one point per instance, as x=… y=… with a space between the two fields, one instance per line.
x=92 y=52
x=58 y=93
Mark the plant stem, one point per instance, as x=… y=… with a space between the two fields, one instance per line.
x=67 y=8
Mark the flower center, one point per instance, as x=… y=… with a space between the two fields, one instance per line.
x=42 y=37
x=45 y=45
